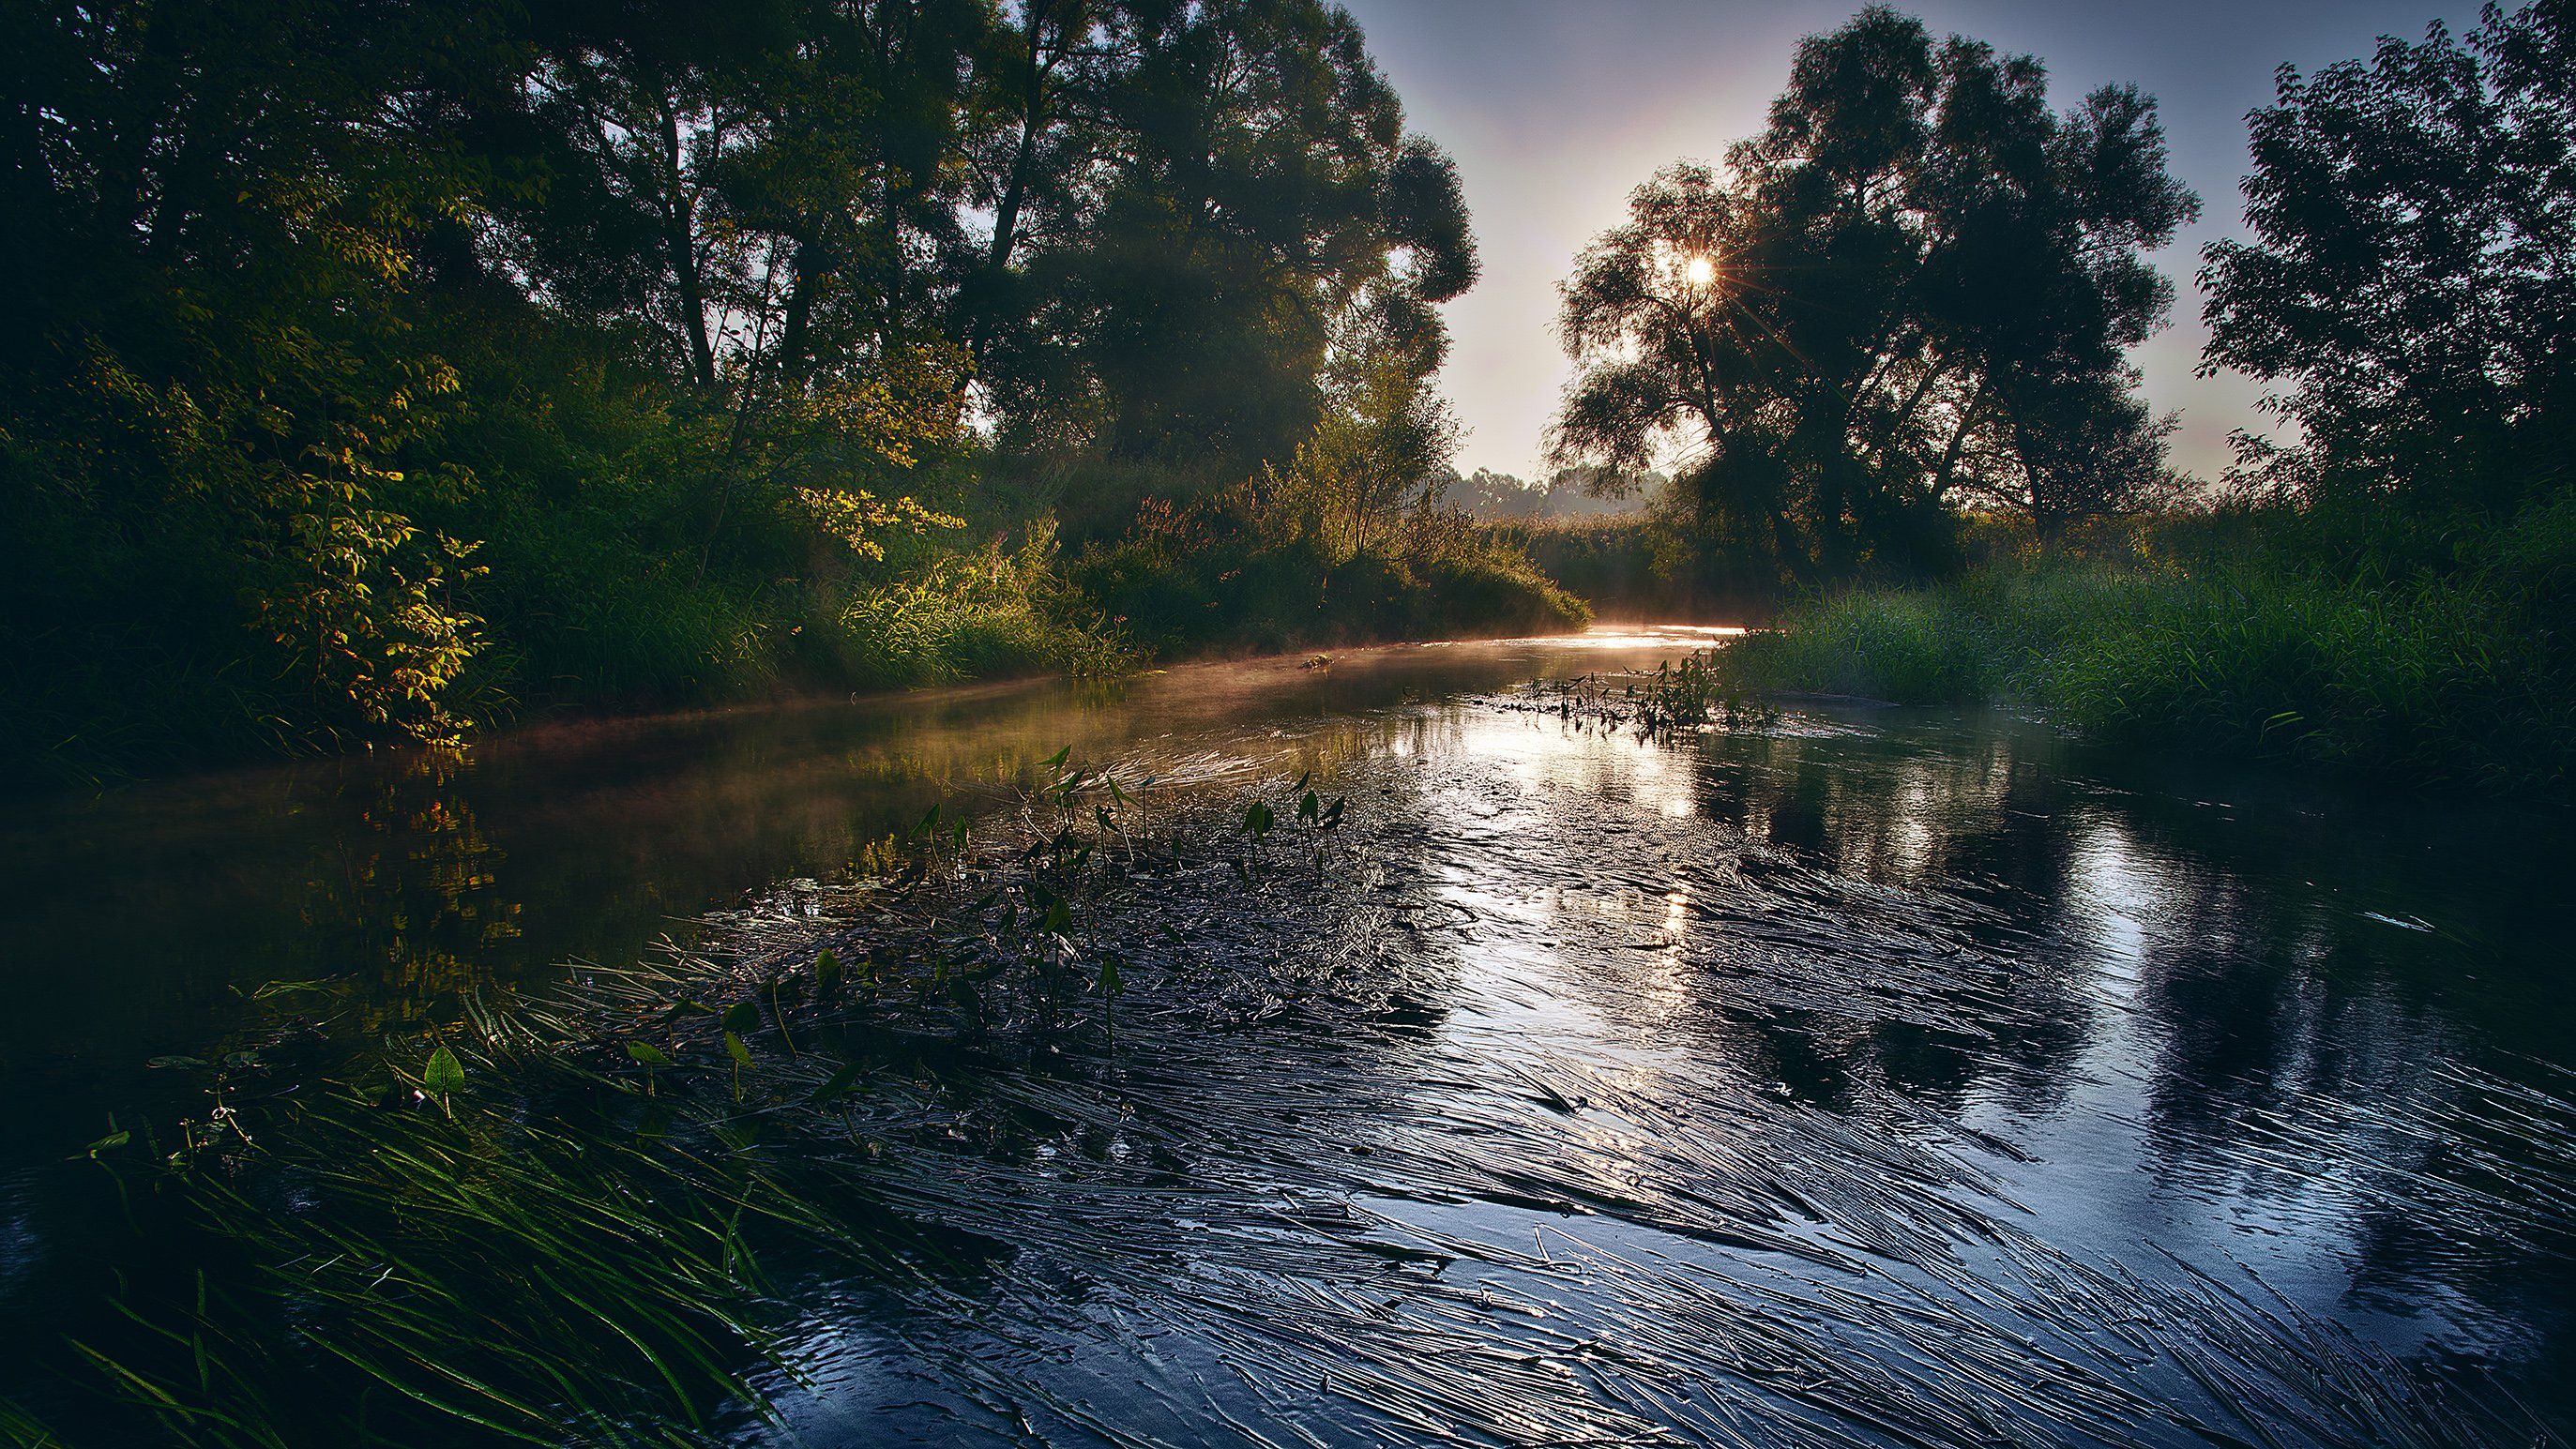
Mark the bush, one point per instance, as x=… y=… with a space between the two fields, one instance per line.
x=985 y=615
x=1247 y=570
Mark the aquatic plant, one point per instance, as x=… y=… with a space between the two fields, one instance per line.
x=1103 y=1092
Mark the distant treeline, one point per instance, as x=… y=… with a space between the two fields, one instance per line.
x=371 y=367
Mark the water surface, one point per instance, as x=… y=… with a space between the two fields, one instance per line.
x=1915 y=1077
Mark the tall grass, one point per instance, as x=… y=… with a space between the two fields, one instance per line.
x=2459 y=676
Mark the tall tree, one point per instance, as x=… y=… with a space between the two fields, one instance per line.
x=1246 y=178
x=208 y=401
x=2412 y=281
x=1909 y=292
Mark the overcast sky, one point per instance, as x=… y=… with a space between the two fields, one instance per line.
x=1555 y=109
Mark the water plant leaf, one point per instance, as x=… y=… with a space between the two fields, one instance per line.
x=827 y=974
x=1309 y=809
x=737 y=1049
x=1259 y=818
x=177 y=1063
x=836 y=1085
x=648 y=1054
x=1056 y=760
x=443 y=1074
x=111 y=1142
x=741 y=1019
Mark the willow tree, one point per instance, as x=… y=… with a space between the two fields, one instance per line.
x=1912 y=292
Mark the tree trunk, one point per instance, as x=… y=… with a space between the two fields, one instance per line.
x=681 y=237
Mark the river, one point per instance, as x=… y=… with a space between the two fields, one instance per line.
x=1849 y=1074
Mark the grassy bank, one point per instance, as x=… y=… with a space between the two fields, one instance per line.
x=2449 y=675
x=1254 y=569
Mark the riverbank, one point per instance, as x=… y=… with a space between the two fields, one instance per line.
x=646 y=646
x=2459 y=676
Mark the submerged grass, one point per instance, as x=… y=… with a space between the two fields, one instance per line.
x=1199 y=1093
x=553 y=1229
x=1674 y=698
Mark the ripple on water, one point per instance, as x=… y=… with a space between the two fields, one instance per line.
x=1546 y=1112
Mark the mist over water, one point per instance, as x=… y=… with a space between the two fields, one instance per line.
x=1917 y=1077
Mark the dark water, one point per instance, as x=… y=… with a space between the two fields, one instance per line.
x=1909 y=1077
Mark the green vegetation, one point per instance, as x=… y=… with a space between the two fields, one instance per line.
x=2236 y=641
x=372 y=370
x=1955 y=480
x=1263 y=566
x=653 y=1156
x=375 y=371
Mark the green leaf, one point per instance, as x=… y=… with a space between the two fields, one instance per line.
x=827 y=974
x=443 y=1075
x=742 y=1018
x=1259 y=819
x=735 y=1049
x=1111 y=983
x=111 y=1142
x=1056 y=760
x=648 y=1054
x=836 y=1085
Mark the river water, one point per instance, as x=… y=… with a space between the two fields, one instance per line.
x=1857 y=1074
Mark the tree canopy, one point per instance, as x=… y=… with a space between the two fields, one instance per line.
x=1913 y=291
x=2411 y=285
x=358 y=346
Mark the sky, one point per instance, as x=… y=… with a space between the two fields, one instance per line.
x=1556 y=109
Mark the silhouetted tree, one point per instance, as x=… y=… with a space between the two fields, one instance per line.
x=2413 y=275
x=1914 y=289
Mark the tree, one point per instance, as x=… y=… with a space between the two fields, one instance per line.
x=1913 y=290
x=212 y=418
x=2412 y=281
x=1383 y=443
x=1242 y=177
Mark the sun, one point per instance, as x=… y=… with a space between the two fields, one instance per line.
x=1701 y=271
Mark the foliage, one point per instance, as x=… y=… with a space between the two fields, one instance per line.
x=1260 y=566
x=377 y=369
x=992 y=613
x=2239 y=642
x=1910 y=293
x=2412 y=281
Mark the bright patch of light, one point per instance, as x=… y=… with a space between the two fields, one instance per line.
x=1701 y=271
